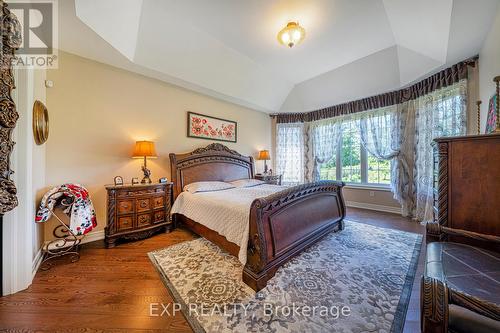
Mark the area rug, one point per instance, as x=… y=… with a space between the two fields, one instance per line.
x=356 y=280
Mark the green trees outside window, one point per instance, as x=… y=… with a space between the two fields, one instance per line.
x=352 y=163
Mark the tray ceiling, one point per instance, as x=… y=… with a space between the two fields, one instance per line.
x=228 y=48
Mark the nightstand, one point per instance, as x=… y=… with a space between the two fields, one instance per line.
x=137 y=211
x=270 y=179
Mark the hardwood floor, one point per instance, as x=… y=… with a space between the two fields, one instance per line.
x=111 y=289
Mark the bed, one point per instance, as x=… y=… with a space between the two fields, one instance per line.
x=277 y=225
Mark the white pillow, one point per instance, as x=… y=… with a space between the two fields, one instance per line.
x=247 y=182
x=207 y=187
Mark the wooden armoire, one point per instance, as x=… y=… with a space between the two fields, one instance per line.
x=467 y=183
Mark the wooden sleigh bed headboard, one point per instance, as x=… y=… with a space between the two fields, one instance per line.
x=215 y=162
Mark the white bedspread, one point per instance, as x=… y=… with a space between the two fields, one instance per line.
x=227 y=212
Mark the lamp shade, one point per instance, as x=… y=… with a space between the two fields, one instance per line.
x=264 y=155
x=144 y=149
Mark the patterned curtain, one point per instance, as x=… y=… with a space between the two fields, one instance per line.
x=325 y=139
x=440 y=113
x=382 y=136
x=290 y=153
x=403 y=190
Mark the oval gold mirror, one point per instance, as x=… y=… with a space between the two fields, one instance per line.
x=40 y=123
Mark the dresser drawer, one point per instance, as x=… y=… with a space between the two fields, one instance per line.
x=137 y=211
x=143 y=205
x=125 y=207
x=125 y=223
x=158 y=202
x=143 y=220
x=159 y=216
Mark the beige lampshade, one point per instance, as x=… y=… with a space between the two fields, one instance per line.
x=144 y=149
x=264 y=155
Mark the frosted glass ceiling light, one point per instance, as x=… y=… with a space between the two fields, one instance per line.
x=291 y=35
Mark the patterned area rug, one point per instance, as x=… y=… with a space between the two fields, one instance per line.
x=357 y=280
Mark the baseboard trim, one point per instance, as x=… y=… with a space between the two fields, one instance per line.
x=93 y=236
x=90 y=237
x=379 y=208
x=37 y=261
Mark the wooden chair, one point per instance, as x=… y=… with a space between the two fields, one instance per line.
x=460 y=289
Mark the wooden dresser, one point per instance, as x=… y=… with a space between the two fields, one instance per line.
x=467 y=183
x=137 y=211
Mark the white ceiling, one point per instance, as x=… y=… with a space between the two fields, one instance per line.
x=228 y=48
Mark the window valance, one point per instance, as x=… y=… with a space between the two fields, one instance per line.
x=442 y=79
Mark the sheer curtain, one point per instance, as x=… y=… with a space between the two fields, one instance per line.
x=440 y=113
x=402 y=133
x=325 y=139
x=290 y=152
x=380 y=135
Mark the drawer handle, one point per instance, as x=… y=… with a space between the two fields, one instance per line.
x=125 y=222
x=143 y=204
x=125 y=206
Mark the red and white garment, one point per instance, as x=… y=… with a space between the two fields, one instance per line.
x=81 y=212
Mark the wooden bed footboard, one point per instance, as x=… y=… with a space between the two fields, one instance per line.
x=285 y=223
x=281 y=225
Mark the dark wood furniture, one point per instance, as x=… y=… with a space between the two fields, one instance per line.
x=270 y=179
x=137 y=211
x=460 y=289
x=281 y=225
x=467 y=184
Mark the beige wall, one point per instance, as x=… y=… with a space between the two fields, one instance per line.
x=370 y=197
x=38 y=161
x=97 y=112
x=489 y=67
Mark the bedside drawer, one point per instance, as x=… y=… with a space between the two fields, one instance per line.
x=158 y=202
x=143 y=205
x=125 y=223
x=143 y=220
x=159 y=216
x=125 y=207
x=137 y=211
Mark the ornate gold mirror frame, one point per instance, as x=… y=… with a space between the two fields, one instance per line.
x=11 y=40
x=40 y=123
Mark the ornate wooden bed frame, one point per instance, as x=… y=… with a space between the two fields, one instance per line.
x=281 y=225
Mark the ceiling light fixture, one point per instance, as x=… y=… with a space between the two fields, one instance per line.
x=292 y=34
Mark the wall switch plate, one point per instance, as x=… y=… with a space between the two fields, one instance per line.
x=372 y=193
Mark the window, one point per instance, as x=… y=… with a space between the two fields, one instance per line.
x=289 y=149
x=350 y=152
x=355 y=164
x=379 y=171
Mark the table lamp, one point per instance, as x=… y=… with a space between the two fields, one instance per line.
x=145 y=149
x=264 y=155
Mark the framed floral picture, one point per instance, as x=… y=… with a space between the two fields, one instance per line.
x=211 y=128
